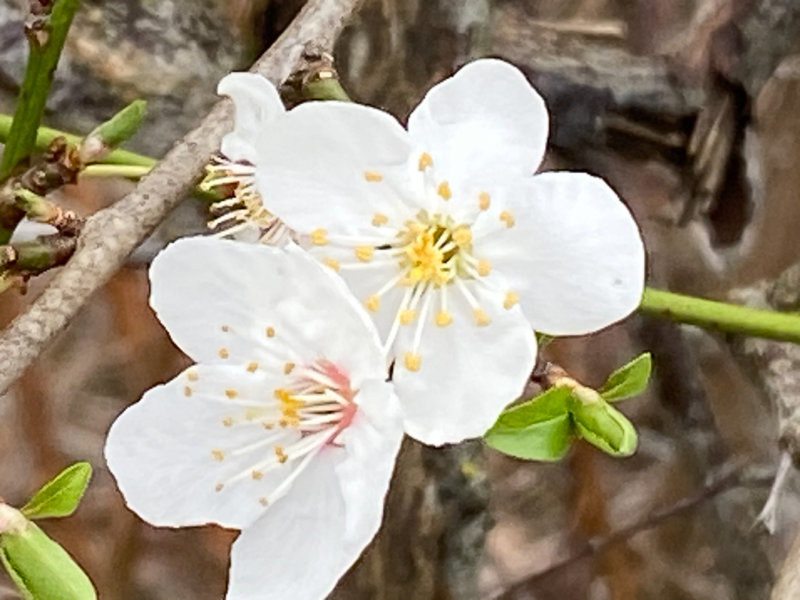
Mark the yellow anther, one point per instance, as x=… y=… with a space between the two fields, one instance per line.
x=282 y=394
x=379 y=219
x=481 y=318
x=288 y=368
x=443 y=318
x=484 y=267
x=425 y=161
x=218 y=455
x=218 y=487
x=256 y=475
x=231 y=394
x=225 y=328
x=227 y=421
x=372 y=302
x=462 y=235
x=187 y=391
x=223 y=353
x=267 y=425
x=319 y=236
x=332 y=263
x=191 y=375
x=252 y=366
x=507 y=218
x=364 y=253
x=407 y=316
x=412 y=361
x=280 y=454
x=484 y=200
x=263 y=501
x=510 y=300
x=373 y=176
x=270 y=331
x=444 y=190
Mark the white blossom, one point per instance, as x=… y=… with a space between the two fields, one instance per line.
x=242 y=214
x=446 y=235
x=285 y=428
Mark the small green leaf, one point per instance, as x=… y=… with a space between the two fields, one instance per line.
x=604 y=426
x=60 y=496
x=40 y=568
x=544 y=440
x=551 y=403
x=538 y=429
x=629 y=380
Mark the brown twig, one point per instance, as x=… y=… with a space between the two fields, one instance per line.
x=110 y=235
x=730 y=479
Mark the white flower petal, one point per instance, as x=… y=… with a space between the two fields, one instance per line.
x=365 y=280
x=296 y=550
x=214 y=295
x=307 y=540
x=170 y=451
x=574 y=255
x=372 y=442
x=484 y=123
x=467 y=373
x=257 y=103
x=334 y=165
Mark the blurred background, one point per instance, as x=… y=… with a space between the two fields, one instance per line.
x=689 y=108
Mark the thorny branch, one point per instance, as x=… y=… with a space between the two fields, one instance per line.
x=110 y=235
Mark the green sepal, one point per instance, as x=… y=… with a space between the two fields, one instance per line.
x=629 y=380
x=60 y=496
x=42 y=569
x=605 y=427
x=538 y=429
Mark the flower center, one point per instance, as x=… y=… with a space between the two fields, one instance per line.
x=305 y=416
x=319 y=400
x=432 y=250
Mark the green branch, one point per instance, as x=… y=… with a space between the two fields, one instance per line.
x=46 y=41
x=721 y=316
x=45 y=135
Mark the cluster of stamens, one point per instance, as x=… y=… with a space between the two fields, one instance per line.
x=298 y=420
x=241 y=206
x=434 y=253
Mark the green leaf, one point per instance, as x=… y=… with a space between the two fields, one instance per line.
x=604 y=426
x=544 y=440
x=538 y=429
x=39 y=70
x=551 y=403
x=629 y=380
x=60 y=496
x=41 y=569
